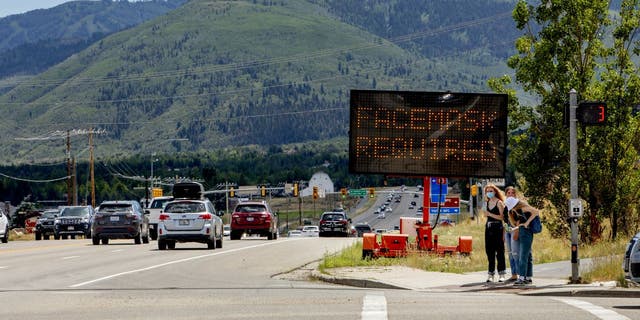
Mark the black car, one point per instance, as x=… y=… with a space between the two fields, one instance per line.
x=44 y=224
x=362 y=228
x=335 y=223
x=120 y=220
x=73 y=221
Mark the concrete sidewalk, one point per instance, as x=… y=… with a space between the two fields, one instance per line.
x=548 y=281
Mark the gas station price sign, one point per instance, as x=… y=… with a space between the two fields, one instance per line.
x=428 y=133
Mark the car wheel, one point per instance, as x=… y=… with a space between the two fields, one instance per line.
x=56 y=236
x=270 y=235
x=171 y=245
x=38 y=236
x=145 y=239
x=45 y=237
x=65 y=237
x=87 y=235
x=73 y=236
x=138 y=238
x=211 y=244
x=5 y=239
x=95 y=241
x=219 y=242
x=105 y=240
x=162 y=245
x=153 y=234
x=235 y=235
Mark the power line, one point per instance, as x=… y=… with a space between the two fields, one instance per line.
x=35 y=181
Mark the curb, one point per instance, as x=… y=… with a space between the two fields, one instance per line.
x=557 y=291
x=359 y=283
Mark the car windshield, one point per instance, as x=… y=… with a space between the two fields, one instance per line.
x=74 y=212
x=333 y=217
x=113 y=208
x=184 y=207
x=251 y=208
x=49 y=214
x=159 y=203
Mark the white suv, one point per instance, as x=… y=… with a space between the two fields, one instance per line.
x=4 y=227
x=154 y=209
x=190 y=221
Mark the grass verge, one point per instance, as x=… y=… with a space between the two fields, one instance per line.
x=606 y=255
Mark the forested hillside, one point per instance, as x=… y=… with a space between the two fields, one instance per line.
x=218 y=74
x=33 y=41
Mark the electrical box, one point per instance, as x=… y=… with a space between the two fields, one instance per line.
x=575 y=208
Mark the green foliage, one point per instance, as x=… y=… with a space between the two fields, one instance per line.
x=565 y=46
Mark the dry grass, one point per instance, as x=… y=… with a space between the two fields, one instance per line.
x=606 y=264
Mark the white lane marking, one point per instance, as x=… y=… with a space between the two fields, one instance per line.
x=4 y=267
x=119 y=250
x=374 y=306
x=600 y=312
x=70 y=257
x=170 y=263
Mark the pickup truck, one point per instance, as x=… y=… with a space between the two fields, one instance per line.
x=154 y=209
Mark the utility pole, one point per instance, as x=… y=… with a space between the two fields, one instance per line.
x=91 y=170
x=573 y=177
x=69 y=183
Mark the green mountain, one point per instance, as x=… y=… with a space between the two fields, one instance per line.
x=33 y=41
x=223 y=74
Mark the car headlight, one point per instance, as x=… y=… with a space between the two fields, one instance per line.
x=56 y=221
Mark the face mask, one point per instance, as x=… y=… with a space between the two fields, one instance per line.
x=490 y=194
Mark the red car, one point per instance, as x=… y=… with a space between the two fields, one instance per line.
x=254 y=217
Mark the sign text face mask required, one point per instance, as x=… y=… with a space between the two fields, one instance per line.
x=428 y=133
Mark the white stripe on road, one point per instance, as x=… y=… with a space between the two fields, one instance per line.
x=374 y=306
x=170 y=263
x=70 y=257
x=600 y=312
x=119 y=250
x=4 y=267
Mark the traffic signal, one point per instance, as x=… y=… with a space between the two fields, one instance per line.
x=591 y=113
x=315 y=193
x=343 y=191
x=474 y=190
x=372 y=192
x=295 y=189
x=263 y=191
x=232 y=192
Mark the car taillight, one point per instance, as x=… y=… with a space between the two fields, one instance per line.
x=205 y=216
x=322 y=221
x=163 y=217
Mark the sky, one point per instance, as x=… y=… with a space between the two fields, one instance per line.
x=9 y=7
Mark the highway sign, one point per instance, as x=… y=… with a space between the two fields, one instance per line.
x=357 y=192
x=451 y=205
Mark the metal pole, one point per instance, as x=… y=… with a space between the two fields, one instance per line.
x=573 y=177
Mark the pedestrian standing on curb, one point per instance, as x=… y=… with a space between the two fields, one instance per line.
x=511 y=237
x=493 y=232
x=522 y=214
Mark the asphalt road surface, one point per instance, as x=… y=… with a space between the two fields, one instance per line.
x=247 y=279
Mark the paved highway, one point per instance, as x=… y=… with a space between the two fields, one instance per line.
x=247 y=279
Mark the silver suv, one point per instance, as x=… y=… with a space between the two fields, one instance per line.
x=190 y=221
